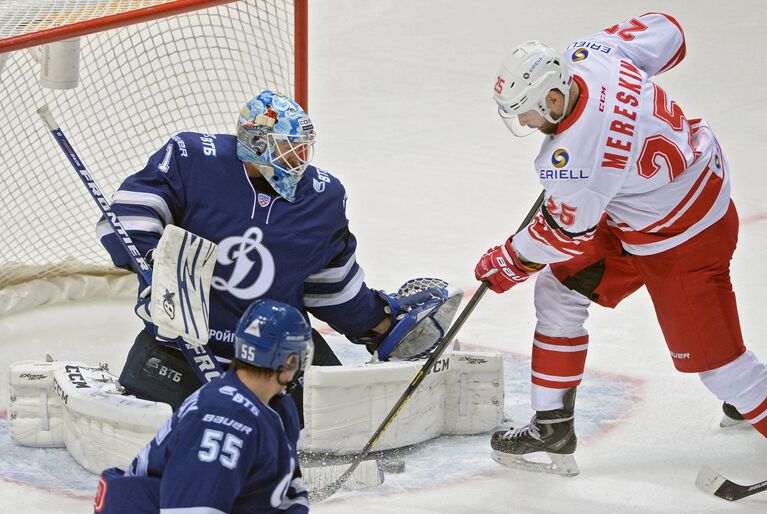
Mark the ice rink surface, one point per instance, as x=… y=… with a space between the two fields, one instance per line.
x=400 y=93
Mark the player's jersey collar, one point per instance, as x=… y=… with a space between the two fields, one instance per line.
x=580 y=106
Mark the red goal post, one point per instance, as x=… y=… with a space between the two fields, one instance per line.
x=146 y=70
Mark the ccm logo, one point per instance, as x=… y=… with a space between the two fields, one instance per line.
x=441 y=365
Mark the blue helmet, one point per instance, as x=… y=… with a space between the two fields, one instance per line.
x=269 y=332
x=277 y=136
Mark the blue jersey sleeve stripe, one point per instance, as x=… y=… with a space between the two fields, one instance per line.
x=343 y=296
x=142 y=224
x=192 y=510
x=131 y=223
x=153 y=201
x=140 y=463
x=297 y=487
x=318 y=289
x=103 y=229
x=335 y=274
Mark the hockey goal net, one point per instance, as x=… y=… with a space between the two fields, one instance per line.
x=147 y=69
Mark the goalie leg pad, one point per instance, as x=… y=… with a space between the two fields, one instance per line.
x=157 y=373
x=86 y=412
x=344 y=405
x=323 y=356
x=103 y=427
x=35 y=413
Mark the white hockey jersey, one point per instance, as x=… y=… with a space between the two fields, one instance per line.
x=626 y=150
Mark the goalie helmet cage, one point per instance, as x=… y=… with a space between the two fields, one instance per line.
x=147 y=70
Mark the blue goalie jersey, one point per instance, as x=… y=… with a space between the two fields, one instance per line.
x=300 y=253
x=223 y=451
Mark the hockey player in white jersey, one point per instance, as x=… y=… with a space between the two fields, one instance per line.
x=636 y=193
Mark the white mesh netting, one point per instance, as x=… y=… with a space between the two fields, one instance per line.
x=19 y=17
x=139 y=85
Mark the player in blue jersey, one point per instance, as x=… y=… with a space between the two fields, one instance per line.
x=231 y=446
x=282 y=233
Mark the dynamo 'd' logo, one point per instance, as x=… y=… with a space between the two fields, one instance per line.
x=580 y=55
x=240 y=252
x=560 y=158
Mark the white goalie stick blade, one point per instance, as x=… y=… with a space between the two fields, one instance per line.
x=369 y=473
x=564 y=465
x=183 y=270
x=711 y=482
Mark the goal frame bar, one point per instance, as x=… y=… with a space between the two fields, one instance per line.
x=113 y=21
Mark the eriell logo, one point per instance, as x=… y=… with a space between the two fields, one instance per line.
x=559 y=159
x=580 y=55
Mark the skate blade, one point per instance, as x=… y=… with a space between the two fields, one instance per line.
x=728 y=422
x=564 y=465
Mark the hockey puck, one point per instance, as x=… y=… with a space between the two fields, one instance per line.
x=393 y=466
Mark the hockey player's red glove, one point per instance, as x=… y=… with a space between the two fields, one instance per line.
x=502 y=268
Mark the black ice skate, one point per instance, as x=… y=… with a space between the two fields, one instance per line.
x=732 y=417
x=551 y=432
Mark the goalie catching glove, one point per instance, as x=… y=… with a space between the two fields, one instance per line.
x=421 y=312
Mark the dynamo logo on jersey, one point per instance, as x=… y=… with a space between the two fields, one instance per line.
x=560 y=158
x=580 y=55
x=245 y=254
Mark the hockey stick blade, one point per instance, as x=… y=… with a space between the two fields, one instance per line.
x=368 y=474
x=712 y=482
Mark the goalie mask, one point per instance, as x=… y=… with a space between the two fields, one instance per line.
x=277 y=136
x=526 y=76
x=269 y=333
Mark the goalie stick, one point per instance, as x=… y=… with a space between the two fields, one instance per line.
x=190 y=351
x=335 y=486
x=712 y=482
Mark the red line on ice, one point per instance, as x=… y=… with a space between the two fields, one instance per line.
x=754 y=218
x=50 y=490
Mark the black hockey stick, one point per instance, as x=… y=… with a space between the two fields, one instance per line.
x=335 y=486
x=138 y=263
x=712 y=482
